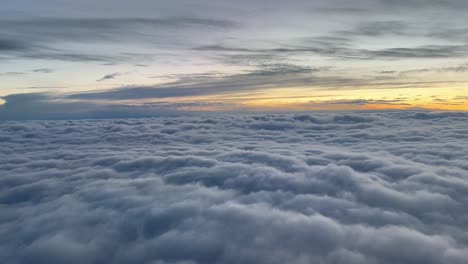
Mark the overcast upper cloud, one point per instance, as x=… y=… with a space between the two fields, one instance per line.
x=147 y=50
x=387 y=187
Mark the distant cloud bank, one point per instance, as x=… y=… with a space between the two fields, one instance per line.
x=332 y=188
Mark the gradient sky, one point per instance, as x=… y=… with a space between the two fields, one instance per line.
x=142 y=57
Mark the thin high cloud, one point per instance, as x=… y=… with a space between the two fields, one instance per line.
x=344 y=51
x=43 y=70
x=109 y=76
x=41 y=38
x=252 y=46
x=123 y=101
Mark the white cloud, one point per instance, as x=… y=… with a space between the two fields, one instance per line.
x=388 y=187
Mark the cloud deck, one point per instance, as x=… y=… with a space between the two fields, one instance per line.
x=389 y=187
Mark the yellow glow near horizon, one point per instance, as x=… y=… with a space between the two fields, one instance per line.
x=303 y=99
x=435 y=98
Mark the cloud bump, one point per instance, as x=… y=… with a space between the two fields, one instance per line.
x=387 y=187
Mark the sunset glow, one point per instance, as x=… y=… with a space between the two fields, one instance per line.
x=234 y=131
x=268 y=56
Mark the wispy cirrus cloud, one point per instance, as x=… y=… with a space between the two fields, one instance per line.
x=109 y=76
x=251 y=45
x=43 y=38
x=43 y=70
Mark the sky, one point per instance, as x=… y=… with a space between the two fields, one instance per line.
x=141 y=58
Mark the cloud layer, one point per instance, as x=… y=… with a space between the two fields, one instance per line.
x=332 y=188
x=121 y=50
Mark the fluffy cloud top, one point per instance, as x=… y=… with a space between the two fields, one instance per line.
x=365 y=188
